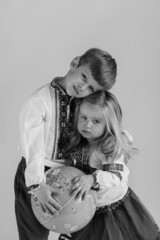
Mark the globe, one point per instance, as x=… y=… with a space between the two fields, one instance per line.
x=73 y=215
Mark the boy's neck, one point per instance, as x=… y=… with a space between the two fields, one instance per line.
x=62 y=82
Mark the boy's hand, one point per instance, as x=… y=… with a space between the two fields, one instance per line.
x=46 y=196
x=81 y=186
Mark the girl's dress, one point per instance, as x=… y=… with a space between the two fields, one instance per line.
x=125 y=219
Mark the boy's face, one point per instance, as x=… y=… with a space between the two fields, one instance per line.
x=80 y=83
x=91 y=121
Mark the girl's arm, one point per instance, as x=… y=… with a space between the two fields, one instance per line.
x=112 y=174
x=112 y=181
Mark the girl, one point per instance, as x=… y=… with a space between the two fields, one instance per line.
x=44 y=122
x=101 y=148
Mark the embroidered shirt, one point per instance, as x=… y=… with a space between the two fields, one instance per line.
x=44 y=122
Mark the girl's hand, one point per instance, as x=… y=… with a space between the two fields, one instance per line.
x=81 y=186
x=46 y=196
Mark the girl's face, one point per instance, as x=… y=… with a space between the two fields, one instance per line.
x=91 y=121
x=80 y=83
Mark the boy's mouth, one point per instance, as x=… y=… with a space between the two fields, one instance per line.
x=75 y=89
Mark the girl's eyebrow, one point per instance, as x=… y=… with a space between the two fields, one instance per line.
x=95 y=118
x=82 y=113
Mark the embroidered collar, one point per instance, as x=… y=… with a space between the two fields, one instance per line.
x=62 y=92
x=66 y=109
x=55 y=84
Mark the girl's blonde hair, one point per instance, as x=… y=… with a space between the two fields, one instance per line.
x=113 y=141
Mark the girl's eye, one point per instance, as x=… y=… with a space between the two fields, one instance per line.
x=83 y=117
x=84 y=77
x=96 y=121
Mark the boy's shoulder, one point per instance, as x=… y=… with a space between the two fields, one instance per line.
x=41 y=89
x=44 y=93
x=41 y=94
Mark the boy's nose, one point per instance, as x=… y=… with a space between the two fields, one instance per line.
x=82 y=87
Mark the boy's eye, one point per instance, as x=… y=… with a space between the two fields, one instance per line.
x=84 y=77
x=91 y=89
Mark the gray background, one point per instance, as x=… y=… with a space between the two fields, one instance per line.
x=38 y=39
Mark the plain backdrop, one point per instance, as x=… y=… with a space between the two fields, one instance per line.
x=39 y=38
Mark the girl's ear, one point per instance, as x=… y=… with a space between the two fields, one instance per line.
x=74 y=62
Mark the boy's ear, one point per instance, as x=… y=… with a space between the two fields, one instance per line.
x=74 y=62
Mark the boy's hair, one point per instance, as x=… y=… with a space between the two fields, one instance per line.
x=103 y=67
x=113 y=141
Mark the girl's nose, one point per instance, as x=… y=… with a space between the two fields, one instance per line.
x=88 y=125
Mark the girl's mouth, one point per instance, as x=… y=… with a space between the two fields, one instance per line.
x=86 y=132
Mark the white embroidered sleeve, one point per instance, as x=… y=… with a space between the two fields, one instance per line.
x=112 y=186
x=113 y=177
x=32 y=118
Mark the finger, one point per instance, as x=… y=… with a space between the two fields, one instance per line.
x=84 y=195
x=55 y=197
x=48 y=211
x=75 y=185
x=42 y=208
x=79 y=195
x=76 y=191
x=52 y=201
x=75 y=179
x=51 y=209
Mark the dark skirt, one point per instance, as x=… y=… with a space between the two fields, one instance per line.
x=127 y=219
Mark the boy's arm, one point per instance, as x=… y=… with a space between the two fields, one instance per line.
x=32 y=118
x=32 y=126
